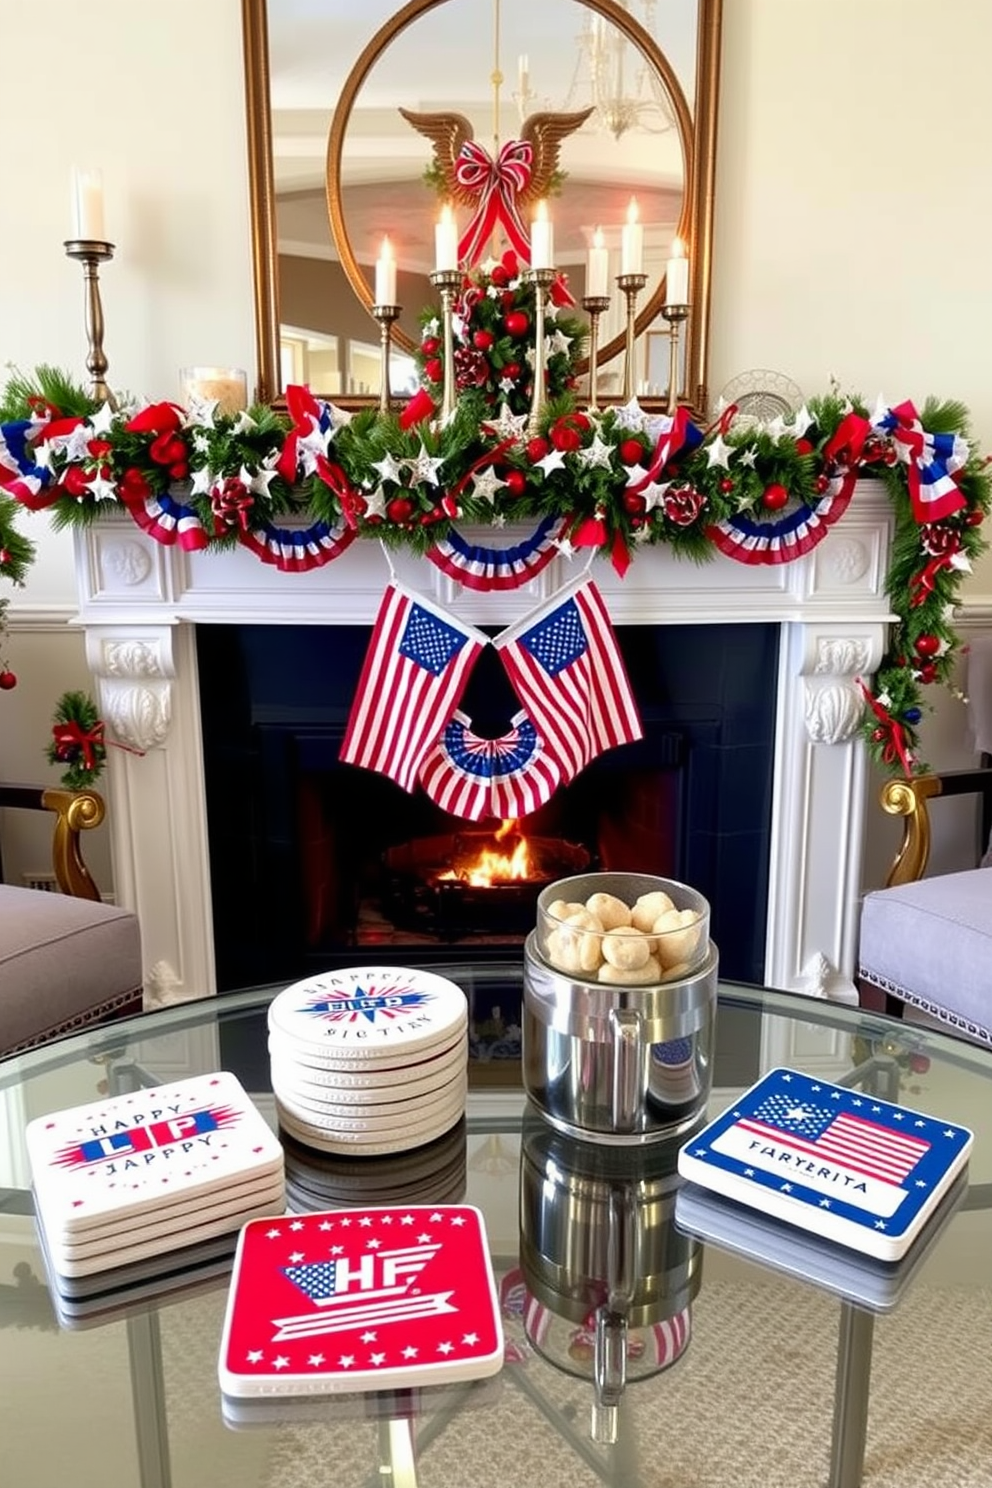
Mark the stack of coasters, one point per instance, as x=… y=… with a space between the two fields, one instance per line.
x=838 y=1162
x=369 y=1061
x=133 y=1187
x=376 y=1298
x=434 y=1174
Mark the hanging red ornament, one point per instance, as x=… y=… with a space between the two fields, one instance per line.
x=775 y=497
x=927 y=645
x=537 y=448
x=7 y=679
x=517 y=323
x=400 y=509
x=631 y=451
x=430 y=345
x=516 y=482
x=482 y=340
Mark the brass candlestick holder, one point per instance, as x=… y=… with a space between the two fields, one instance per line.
x=594 y=306
x=675 y=315
x=446 y=282
x=385 y=315
x=91 y=252
x=542 y=280
x=631 y=285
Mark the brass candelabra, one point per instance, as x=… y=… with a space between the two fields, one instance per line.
x=385 y=315
x=542 y=280
x=675 y=315
x=446 y=282
x=594 y=306
x=631 y=285
x=91 y=253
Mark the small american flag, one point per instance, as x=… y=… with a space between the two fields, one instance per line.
x=854 y=1141
x=568 y=671
x=413 y=673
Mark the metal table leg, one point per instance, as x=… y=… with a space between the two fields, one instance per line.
x=850 y=1428
x=151 y=1428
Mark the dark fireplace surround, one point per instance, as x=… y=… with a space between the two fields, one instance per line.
x=298 y=841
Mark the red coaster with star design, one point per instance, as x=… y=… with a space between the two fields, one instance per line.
x=360 y=1299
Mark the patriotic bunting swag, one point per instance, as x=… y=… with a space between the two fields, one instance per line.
x=298 y=486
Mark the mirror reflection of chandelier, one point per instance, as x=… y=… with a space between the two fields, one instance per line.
x=612 y=75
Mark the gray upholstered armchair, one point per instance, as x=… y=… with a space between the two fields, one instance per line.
x=66 y=958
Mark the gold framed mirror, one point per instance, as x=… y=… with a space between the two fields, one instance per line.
x=410 y=61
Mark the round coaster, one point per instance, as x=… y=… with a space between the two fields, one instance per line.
x=363 y=1081
x=286 y=1075
x=369 y=1013
x=323 y=1107
x=374 y=1119
x=407 y=1138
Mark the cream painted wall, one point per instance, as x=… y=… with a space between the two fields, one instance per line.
x=854 y=204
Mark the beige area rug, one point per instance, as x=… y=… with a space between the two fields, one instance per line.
x=749 y=1406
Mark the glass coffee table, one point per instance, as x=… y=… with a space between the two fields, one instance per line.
x=739 y=1363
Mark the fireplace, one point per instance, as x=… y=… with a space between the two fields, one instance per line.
x=347 y=865
x=151 y=613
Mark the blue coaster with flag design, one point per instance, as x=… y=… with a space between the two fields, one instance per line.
x=840 y=1163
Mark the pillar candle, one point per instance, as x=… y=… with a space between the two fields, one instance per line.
x=542 y=239
x=598 y=267
x=446 y=241
x=677 y=275
x=385 y=275
x=632 y=243
x=87 y=204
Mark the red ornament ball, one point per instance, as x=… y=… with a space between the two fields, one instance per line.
x=499 y=276
x=727 y=484
x=927 y=673
x=537 y=448
x=975 y=518
x=633 y=503
x=927 y=645
x=7 y=679
x=434 y=369
x=511 y=370
x=430 y=345
x=775 y=497
x=517 y=323
x=516 y=482
x=803 y=447
x=482 y=340
x=631 y=451
x=400 y=509
x=877 y=735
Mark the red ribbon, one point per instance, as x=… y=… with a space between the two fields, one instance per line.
x=421 y=406
x=896 y=746
x=922 y=584
x=71 y=736
x=304 y=410
x=157 y=418
x=352 y=501
x=668 y=445
x=845 y=445
x=497 y=183
x=489 y=458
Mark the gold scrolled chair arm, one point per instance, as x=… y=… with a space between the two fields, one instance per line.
x=75 y=812
x=909 y=799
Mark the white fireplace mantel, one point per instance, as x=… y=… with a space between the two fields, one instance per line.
x=139 y=603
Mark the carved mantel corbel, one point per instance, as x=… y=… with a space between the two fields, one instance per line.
x=135 y=672
x=835 y=659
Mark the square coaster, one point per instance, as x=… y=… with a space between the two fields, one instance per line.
x=359 y=1299
x=839 y=1162
x=145 y=1153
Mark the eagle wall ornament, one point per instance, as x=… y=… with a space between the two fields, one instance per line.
x=496 y=189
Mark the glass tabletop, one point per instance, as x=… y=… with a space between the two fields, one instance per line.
x=743 y=1362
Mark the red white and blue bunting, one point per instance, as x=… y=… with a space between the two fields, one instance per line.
x=785 y=537
x=485 y=569
x=168 y=521
x=297 y=550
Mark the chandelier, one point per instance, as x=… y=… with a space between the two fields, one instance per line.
x=616 y=78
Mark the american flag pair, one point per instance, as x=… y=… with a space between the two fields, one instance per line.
x=565 y=667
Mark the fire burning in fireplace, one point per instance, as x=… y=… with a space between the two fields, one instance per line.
x=496 y=864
